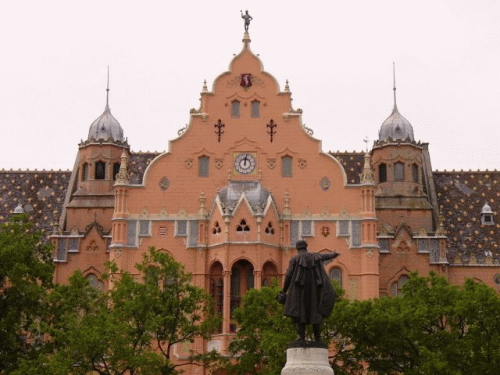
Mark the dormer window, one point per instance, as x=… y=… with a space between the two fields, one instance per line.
x=235 y=109
x=487 y=215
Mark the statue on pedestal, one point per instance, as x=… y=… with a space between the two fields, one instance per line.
x=310 y=296
x=247 y=17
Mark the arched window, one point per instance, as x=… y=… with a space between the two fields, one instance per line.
x=203 y=170
x=100 y=170
x=217 y=288
x=382 y=173
x=85 y=171
x=335 y=274
x=241 y=281
x=255 y=109
x=235 y=109
x=286 y=166
x=399 y=171
x=414 y=173
x=396 y=287
x=95 y=282
x=116 y=169
x=269 y=272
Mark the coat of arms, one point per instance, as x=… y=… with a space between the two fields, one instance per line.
x=246 y=80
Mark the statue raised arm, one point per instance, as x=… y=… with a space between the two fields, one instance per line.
x=247 y=17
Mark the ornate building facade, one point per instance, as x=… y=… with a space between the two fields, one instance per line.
x=243 y=182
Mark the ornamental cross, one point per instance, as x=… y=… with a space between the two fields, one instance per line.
x=271 y=130
x=219 y=130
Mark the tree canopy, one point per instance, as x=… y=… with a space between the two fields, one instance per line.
x=26 y=272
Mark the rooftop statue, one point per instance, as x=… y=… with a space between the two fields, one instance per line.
x=310 y=294
x=247 y=17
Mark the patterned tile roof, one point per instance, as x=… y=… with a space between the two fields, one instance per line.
x=137 y=164
x=352 y=162
x=461 y=196
x=41 y=193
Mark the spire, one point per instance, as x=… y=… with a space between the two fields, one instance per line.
x=107 y=93
x=122 y=177
x=367 y=176
x=394 y=86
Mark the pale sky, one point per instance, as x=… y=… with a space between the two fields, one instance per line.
x=337 y=56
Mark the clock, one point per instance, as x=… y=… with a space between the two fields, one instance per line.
x=244 y=163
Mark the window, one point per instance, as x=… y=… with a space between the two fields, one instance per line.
x=85 y=172
x=203 y=166
x=61 y=249
x=399 y=172
x=193 y=233
x=435 y=253
x=414 y=173
x=286 y=166
x=132 y=233
x=243 y=227
x=116 y=169
x=383 y=244
x=255 y=109
x=343 y=228
x=356 y=233
x=100 y=170
x=144 y=227
x=217 y=288
x=269 y=229
x=235 y=109
x=73 y=244
x=306 y=228
x=396 y=287
x=95 y=282
x=242 y=280
x=335 y=274
x=269 y=272
x=382 y=173
x=216 y=229
x=181 y=228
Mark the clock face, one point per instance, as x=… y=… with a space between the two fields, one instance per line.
x=244 y=163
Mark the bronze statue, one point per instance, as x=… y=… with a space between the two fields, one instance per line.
x=247 y=17
x=311 y=296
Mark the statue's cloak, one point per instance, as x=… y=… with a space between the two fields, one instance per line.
x=310 y=296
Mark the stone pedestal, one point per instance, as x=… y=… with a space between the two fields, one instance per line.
x=307 y=361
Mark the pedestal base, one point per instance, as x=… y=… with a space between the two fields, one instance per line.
x=307 y=361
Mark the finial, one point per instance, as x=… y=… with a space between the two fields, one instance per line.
x=122 y=177
x=287 y=88
x=394 y=81
x=366 y=143
x=367 y=176
x=107 y=92
x=205 y=88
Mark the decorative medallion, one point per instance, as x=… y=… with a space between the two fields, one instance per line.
x=325 y=183
x=369 y=253
x=164 y=183
x=219 y=163
x=188 y=163
x=325 y=231
x=245 y=79
x=302 y=163
x=271 y=163
x=286 y=117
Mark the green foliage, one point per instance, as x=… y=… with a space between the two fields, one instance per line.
x=434 y=328
x=264 y=333
x=131 y=328
x=26 y=272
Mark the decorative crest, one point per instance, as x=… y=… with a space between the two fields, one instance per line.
x=271 y=130
x=219 y=130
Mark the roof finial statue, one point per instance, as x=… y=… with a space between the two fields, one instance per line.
x=247 y=17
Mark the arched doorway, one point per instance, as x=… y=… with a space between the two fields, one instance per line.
x=242 y=279
x=269 y=272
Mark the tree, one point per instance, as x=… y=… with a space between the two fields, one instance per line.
x=434 y=328
x=129 y=329
x=26 y=272
x=264 y=333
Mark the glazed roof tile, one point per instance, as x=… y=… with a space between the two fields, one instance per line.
x=352 y=162
x=461 y=196
x=41 y=193
x=137 y=164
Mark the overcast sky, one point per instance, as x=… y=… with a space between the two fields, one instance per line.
x=337 y=56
